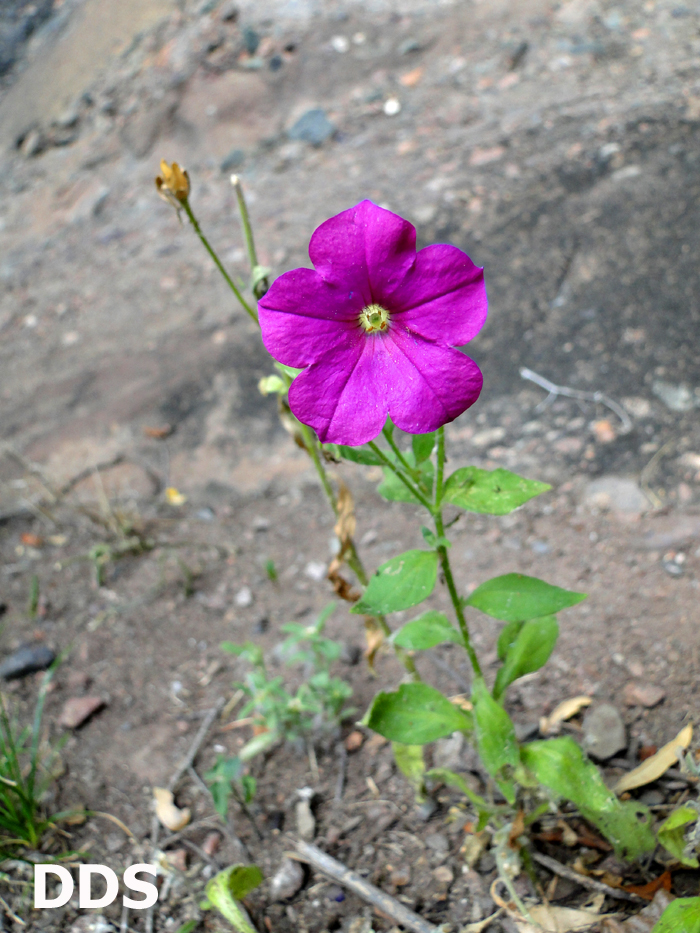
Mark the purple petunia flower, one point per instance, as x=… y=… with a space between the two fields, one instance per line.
x=374 y=328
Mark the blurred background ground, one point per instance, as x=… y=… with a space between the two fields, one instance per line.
x=557 y=143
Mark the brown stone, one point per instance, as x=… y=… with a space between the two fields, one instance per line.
x=646 y=695
x=354 y=741
x=77 y=710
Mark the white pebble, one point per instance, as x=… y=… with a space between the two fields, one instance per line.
x=340 y=44
x=392 y=107
x=315 y=570
x=243 y=597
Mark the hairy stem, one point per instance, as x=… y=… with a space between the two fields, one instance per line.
x=444 y=556
x=217 y=262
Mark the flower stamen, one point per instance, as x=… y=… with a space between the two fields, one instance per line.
x=374 y=319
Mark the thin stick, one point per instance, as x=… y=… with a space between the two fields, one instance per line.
x=555 y=390
x=585 y=882
x=342 y=767
x=348 y=879
x=189 y=758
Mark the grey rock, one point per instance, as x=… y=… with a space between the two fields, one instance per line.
x=27 y=660
x=447 y=752
x=675 y=397
x=439 y=843
x=617 y=493
x=287 y=880
x=312 y=127
x=233 y=160
x=603 y=732
x=306 y=822
x=251 y=40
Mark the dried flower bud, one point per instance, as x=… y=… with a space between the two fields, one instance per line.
x=173 y=184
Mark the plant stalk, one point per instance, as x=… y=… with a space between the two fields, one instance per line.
x=219 y=265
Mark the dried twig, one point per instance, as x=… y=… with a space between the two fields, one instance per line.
x=342 y=767
x=197 y=743
x=555 y=390
x=338 y=872
x=585 y=882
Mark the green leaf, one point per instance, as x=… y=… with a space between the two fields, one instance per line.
x=671 y=834
x=432 y=540
x=269 y=385
x=288 y=370
x=188 y=927
x=430 y=629
x=423 y=445
x=492 y=492
x=414 y=715
x=495 y=737
x=528 y=652
x=410 y=762
x=516 y=598
x=561 y=766
x=260 y=273
x=681 y=916
x=364 y=455
x=400 y=583
x=507 y=638
x=230 y=884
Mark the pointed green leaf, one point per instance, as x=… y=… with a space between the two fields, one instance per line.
x=509 y=636
x=364 y=455
x=529 y=652
x=225 y=888
x=288 y=370
x=495 y=737
x=671 y=834
x=400 y=583
x=414 y=715
x=681 y=916
x=516 y=598
x=561 y=766
x=492 y=492
x=423 y=445
x=430 y=629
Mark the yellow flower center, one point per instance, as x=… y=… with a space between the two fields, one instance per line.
x=374 y=319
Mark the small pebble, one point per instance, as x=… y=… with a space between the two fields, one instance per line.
x=306 y=821
x=243 y=597
x=287 y=880
x=315 y=570
x=340 y=44
x=27 y=660
x=647 y=695
x=211 y=844
x=400 y=877
x=603 y=731
x=439 y=843
x=77 y=710
x=392 y=107
x=312 y=127
x=354 y=741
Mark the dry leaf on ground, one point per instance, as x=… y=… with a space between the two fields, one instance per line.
x=565 y=710
x=172 y=817
x=550 y=919
x=652 y=768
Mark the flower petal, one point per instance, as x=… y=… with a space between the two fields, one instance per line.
x=302 y=317
x=427 y=385
x=365 y=249
x=443 y=297
x=342 y=395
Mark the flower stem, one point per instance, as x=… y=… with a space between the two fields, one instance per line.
x=261 y=286
x=407 y=482
x=399 y=456
x=353 y=559
x=217 y=262
x=445 y=560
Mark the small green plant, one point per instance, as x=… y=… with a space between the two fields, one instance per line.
x=314 y=711
x=26 y=771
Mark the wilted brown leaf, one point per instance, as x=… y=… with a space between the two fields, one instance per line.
x=652 y=768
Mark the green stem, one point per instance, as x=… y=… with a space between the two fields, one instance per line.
x=248 y=234
x=444 y=557
x=353 y=558
x=217 y=262
x=399 y=456
x=407 y=482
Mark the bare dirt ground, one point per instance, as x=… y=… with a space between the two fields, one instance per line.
x=558 y=145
